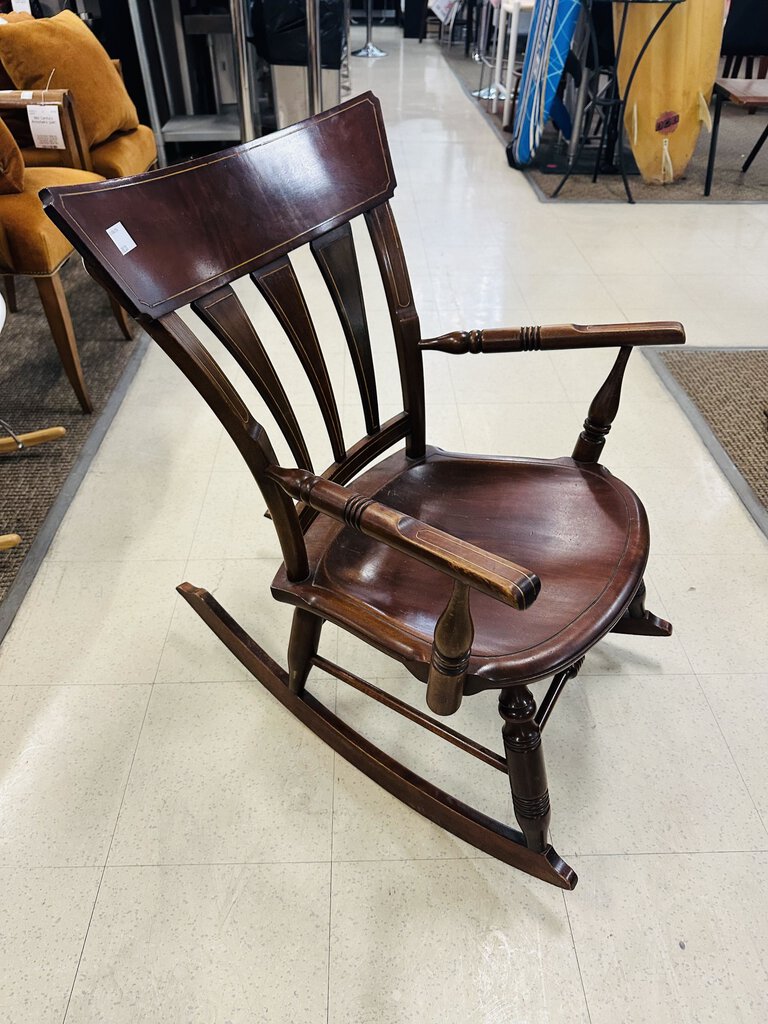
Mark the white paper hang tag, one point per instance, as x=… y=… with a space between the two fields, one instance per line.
x=24 y=6
x=45 y=125
x=121 y=238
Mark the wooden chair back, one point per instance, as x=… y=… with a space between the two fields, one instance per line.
x=745 y=40
x=183 y=235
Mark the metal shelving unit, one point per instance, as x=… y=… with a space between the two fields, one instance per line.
x=162 y=35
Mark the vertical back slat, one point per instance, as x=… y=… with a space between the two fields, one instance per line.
x=405 y=321
x=280 y=287
x=194 y=360
x=223 y=313
x=335 y=255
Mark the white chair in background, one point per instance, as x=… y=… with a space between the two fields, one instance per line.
x=508 y=9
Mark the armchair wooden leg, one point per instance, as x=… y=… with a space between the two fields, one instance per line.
x=56 y=309
x=638 y=621
x=305 y=636
x=9 y=287
x=525 y=763
x=122 y=318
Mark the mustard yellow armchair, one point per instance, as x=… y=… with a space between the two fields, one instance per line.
x=30 y=246
x=62 y=58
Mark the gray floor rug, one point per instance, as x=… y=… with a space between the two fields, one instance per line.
x=739 y=132
x=725 y=395
x=36 y=485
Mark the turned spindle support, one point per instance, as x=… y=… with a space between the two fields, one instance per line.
x=602 y=412
x=454 y=633
x=525 y=763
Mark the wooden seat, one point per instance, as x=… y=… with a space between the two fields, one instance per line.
x=474 y=572
x=494 y=504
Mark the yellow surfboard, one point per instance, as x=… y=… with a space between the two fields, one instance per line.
x=669 y=99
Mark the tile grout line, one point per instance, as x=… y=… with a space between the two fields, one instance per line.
x=130 y=768
x=379 y=860
x=226 y=682
x=733 y=758
x=106 y=858
x=376 y=860
x=176 y=603
x=576 y=954
x=194 y=532
x=330 y=890
x=663 y=853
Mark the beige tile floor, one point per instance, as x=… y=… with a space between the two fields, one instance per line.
x=175 y=848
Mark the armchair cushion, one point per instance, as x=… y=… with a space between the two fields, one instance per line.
x=29 y=52
x=11 y=163
x=32 y=244
x=124 y=154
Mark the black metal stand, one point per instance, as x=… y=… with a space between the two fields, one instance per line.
x=614 y=105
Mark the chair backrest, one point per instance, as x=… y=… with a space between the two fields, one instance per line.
x=745 y=39
x=183 y=235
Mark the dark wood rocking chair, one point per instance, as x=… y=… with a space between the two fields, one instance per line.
x=394 y=558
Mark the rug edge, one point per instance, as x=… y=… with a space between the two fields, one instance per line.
x=724 y=462
x=30 y=567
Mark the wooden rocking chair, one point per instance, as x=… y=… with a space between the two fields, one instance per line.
x=394 y=557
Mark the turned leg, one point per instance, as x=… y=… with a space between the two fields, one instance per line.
x=122 y=318
x=302 y=647
x=525 y=764
x=57 y=312
x=9 y=287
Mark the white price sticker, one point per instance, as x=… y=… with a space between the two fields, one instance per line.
x=27 y=94
x=22 y=5
x=121 y=238
x=45 y=125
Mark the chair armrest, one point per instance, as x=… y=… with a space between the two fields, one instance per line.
x=17 y=99
x=470 y=565
x=76 y=154
x=559 y=336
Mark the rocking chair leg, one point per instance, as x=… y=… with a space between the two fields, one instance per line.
x=59 y=319
x=305 y=636
x=638 y=621
x=525 y=763
x=472 y=826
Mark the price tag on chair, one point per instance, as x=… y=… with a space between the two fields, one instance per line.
x=45 y=125
x=25 y=6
